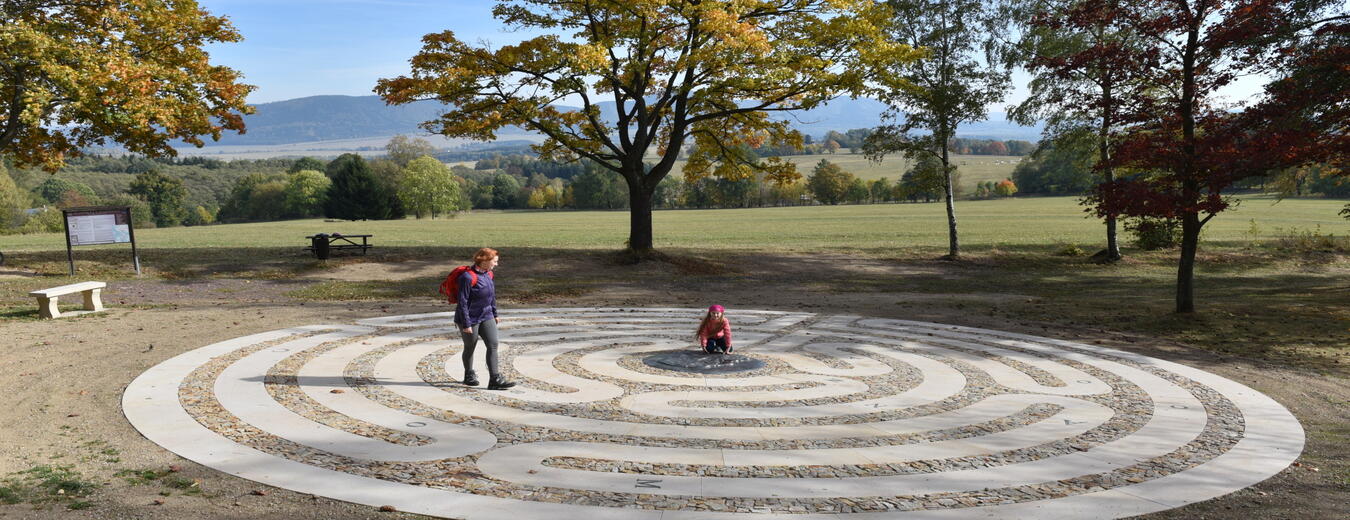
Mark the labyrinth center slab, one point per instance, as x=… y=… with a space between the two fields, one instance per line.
x=700 y=362
x=848 y=415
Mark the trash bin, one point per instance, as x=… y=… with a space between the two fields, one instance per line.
x=320 y=245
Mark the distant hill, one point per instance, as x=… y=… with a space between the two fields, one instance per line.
x=328 y=118
x=333 y=118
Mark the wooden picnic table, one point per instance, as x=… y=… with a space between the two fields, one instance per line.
x=341 y=242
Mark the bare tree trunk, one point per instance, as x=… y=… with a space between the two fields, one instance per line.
x=1190 y=242
x=1190 y=221
x=1104 y=156
x=639 y=213
x=953 y=244
x=1112 y=244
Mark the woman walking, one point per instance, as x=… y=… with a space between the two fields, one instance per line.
x=476 y=316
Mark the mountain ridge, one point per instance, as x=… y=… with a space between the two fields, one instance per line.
x=337 y=117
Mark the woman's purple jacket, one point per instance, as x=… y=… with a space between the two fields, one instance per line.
x=477 y=302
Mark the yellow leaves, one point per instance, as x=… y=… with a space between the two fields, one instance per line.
x=789 y=55
x=590 y=58
x=780 y=172
x=130 y=71
x=696 y=167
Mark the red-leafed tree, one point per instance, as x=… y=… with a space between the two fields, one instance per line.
x=1085 y=71
x=1188 y=145
x=1306 y=112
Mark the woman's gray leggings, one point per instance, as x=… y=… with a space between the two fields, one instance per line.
x=488 y=331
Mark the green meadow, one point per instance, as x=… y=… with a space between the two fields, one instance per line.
x=1270 y=278
x=973 y=168
x=874 y=229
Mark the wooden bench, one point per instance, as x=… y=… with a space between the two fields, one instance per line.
x=46 y=298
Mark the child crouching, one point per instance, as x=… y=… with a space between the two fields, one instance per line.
x=714 y=333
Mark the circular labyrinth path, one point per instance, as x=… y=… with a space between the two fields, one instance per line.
x=874 y=417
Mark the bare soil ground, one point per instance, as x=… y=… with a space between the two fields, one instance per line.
x=62 y=380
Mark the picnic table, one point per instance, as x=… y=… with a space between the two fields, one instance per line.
x=323 y=244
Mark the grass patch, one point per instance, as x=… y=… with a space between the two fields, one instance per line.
x=10 y=494
x=538 y=290
x=168 y=478
x=141 y=477
x=46 y=484
x=339 y=290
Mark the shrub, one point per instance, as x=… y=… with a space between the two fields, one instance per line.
x=1068 y=249
x=12 y=202
x=199 y=216
x=1154 y=233
x=1310 y=241
x=306 y=191
x=44 y=220
x=166 y=195
x=141 y=216
x=54 y=188
x=356 y=194
x=984 y=190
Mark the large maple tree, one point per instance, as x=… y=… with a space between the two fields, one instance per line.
x=75 y=74
x=653 y=77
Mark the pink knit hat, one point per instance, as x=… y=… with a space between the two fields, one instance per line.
x=716 y=308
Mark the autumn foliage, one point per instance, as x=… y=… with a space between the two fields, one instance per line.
x=653 y=76
x=134 y=72
x=1183 y=144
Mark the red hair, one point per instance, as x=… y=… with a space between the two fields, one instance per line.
x=484 y=255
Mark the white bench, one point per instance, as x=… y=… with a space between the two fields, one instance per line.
x=46 y=298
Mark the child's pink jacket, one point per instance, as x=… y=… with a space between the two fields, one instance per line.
x=712 y=330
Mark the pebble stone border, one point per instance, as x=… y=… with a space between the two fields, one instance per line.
x=850 y=415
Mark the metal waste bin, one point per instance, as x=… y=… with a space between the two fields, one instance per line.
x=320 y=244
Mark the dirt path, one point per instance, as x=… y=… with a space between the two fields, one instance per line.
x=63 y=380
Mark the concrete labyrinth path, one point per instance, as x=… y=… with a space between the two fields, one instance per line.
x=849 y=416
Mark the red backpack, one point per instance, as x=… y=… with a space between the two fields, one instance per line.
x=450 y=287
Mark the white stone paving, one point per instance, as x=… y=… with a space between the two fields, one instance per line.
x=581 y=350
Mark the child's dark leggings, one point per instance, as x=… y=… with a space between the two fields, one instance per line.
x=488 y=331
x=717 y=345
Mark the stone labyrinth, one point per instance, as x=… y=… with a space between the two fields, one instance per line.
x=874 y=417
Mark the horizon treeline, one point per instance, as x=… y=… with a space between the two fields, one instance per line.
x=411 y=179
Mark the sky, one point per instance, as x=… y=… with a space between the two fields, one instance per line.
x=299 y=48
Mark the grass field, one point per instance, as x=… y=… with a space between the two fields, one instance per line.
x=973 y=168
x=1266 y=269
x=877 y=229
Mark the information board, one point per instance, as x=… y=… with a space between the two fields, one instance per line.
x=108 y=227
x=93 y=225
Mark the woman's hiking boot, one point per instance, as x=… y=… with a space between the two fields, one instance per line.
x=470 y=379
x=499 y=383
